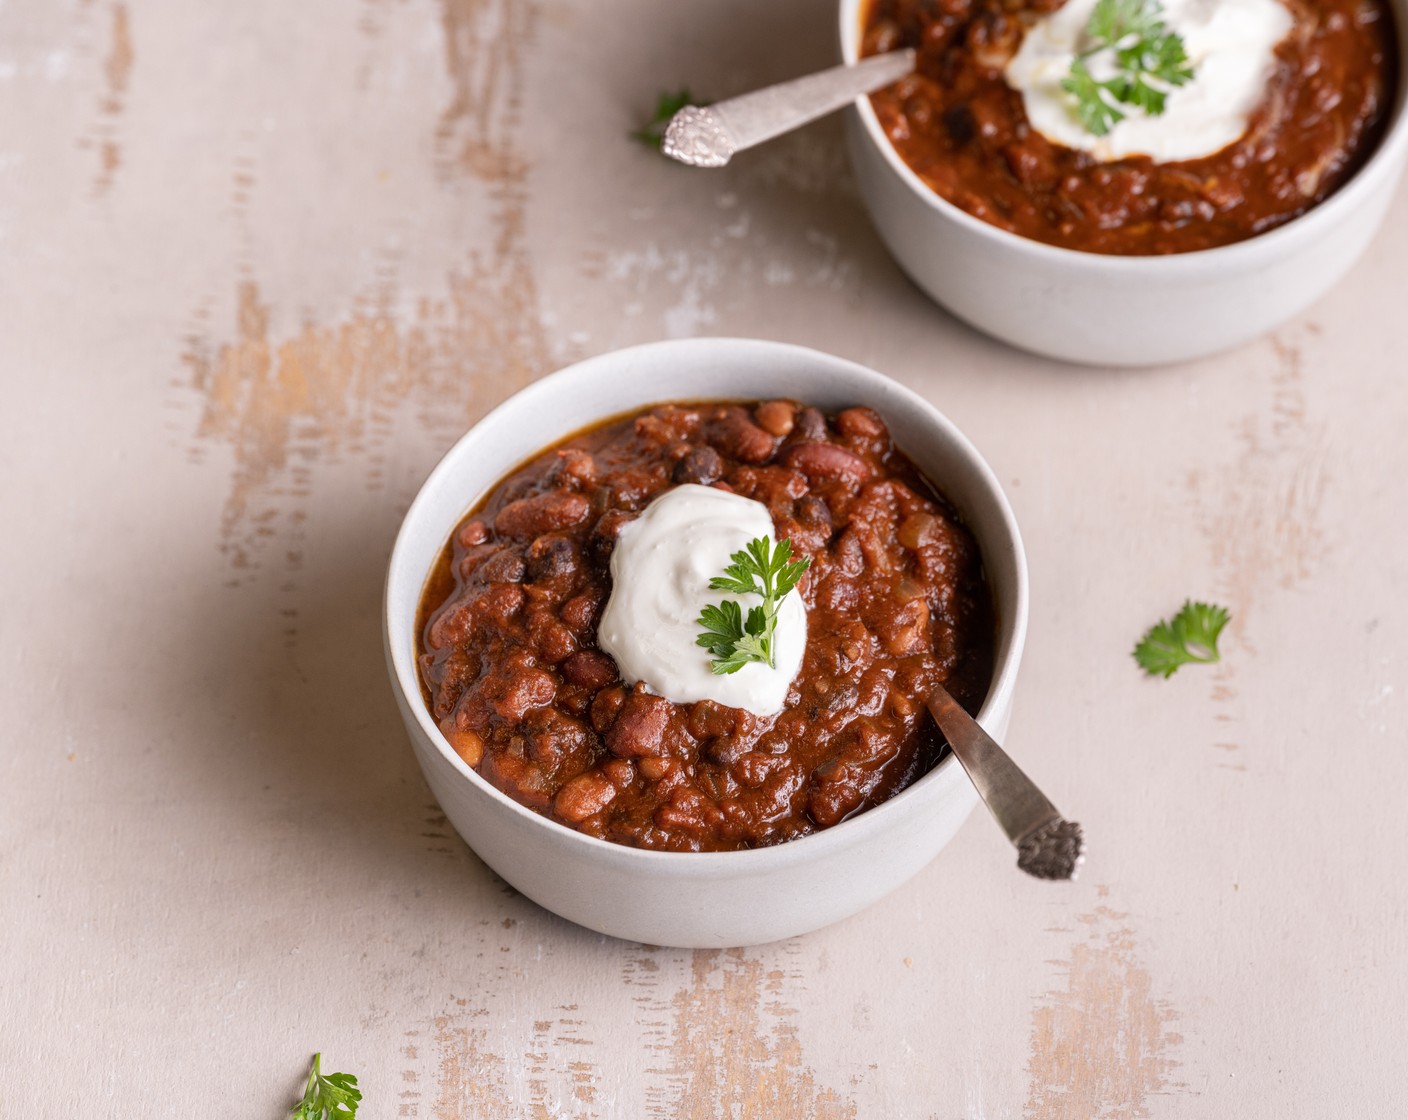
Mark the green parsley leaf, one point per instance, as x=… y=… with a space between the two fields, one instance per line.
x=1113 y=20
x=327 y=1098
x=1189 y=637
x=723 y=627
x=758 y=569
x=667 y=105
x=1096 y=111
x=1150 y=60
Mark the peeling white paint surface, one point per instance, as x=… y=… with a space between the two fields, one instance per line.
x=264 y=262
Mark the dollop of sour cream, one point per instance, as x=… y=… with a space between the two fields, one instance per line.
x=660 y=573
x=1230 y=44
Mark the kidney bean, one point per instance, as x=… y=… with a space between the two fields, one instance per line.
x=576 y=468
x=603 y=537
x=640 y=728
x=826 y=462
x=579 y=612
x=631 y=489
x=733 y=433
x=556 y=643
x=531 y=517
x=502 y=567
x=590 y=668
x=471 y=533
x=809 y=424
x=475 y=557
x=708 y=720
x=606 y=707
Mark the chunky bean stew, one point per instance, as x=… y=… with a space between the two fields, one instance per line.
x=896 y=602
x=965 y=132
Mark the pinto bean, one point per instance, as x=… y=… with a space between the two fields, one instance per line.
x=906 y=631
x=861 y=423
x=469 y=745
x=919 y=529
x=825 y=462
x=519 y=689
x=584 y=796
x=777 y=418
x=542 y=513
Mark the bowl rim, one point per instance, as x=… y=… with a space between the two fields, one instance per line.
x=1250 y=252
x=853 y=830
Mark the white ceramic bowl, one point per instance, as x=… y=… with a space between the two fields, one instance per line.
x=700 y=899
x=1107 y=310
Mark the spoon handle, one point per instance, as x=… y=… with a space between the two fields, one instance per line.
x=1049 y=846
x=708 y=137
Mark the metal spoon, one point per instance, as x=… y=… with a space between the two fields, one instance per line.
x=709 y=137
x=1048 y=845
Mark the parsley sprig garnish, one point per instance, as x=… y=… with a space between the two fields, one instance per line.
x=1187 y=638
x=760 y=569
x=333 y=1097
x=652 y=134
x=1144 y=48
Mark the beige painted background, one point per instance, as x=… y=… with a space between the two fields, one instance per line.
x=261 y=262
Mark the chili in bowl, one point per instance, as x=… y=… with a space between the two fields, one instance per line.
x=1019 y=179
x=603 y=787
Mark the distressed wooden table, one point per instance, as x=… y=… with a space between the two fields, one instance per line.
x=261 y=262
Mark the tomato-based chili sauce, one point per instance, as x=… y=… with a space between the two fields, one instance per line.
x=959 y=125
x=896 y=602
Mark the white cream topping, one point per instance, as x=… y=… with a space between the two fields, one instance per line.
x=660 y=573
x=1230 y=45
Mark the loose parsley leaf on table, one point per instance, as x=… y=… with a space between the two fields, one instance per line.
x=1143 y=48
x=666 y=106
x=1187 y=638
x=334 y=1097
x=759 y=569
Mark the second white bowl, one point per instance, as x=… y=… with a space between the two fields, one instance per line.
x=1108 y=310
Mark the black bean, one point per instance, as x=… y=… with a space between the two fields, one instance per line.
x=701 y=465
